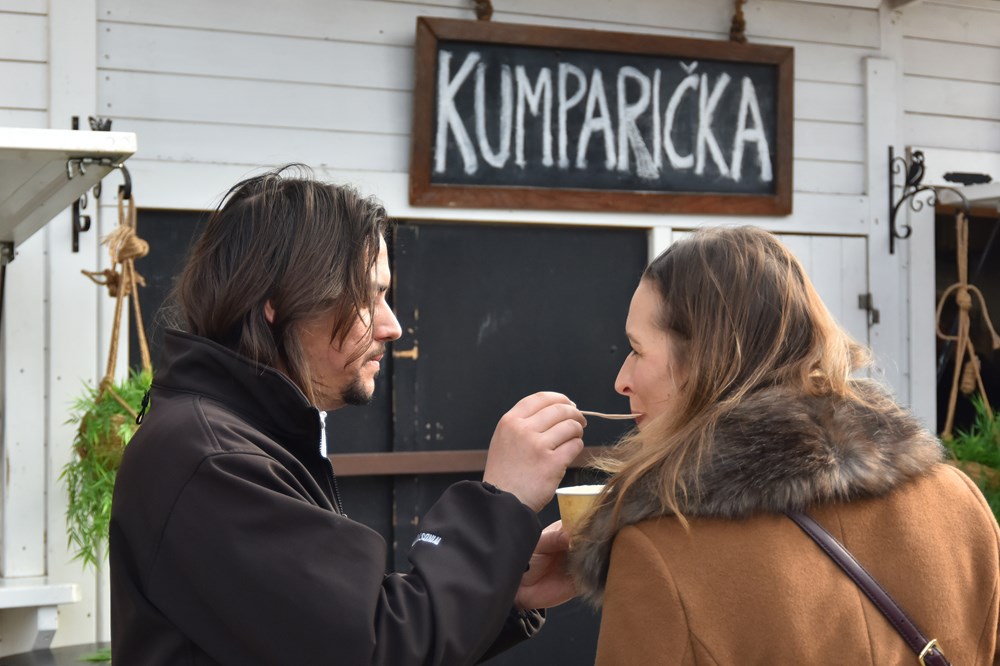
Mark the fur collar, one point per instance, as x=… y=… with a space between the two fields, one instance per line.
x=780 y=450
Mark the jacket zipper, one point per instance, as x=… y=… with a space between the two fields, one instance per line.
x=329 y=465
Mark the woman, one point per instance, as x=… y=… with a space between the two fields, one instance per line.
x=748 y=409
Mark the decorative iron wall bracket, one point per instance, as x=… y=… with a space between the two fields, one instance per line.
x=78 y=165
x=81 y=223
x=913 y=175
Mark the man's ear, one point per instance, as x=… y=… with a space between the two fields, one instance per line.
x=269 y=312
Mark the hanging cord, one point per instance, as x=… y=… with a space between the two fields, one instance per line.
x=484 y=10
x=124 y=247
x=967 y=376
x=738 y=29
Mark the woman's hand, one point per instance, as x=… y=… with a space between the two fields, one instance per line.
x=546 y=583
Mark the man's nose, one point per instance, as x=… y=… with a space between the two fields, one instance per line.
x=388 y=328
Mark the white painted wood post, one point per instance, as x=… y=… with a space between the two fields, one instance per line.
x=886 y=271
x=22 y=551
x=919 y=250
x=74 y=353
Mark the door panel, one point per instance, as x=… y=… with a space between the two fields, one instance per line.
x=838 y=269
x=494 y=314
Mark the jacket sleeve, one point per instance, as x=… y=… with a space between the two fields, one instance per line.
x=519 y=627
x=255 y=573
x=642 y=618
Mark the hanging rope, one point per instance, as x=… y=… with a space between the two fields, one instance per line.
x=484 y=10
x=967 y=376
x=738 y=28
x=122 y=281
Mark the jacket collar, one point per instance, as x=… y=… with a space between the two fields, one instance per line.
x=258 y=393
x=780 y=450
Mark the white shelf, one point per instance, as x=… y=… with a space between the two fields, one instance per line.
x=35 y=182
x=38 y=591
x=29 y=612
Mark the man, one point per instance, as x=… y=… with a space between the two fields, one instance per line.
x=229 y=544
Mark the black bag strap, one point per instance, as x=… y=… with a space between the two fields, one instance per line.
x=928 y=651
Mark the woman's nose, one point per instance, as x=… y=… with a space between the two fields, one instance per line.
x=621 y=382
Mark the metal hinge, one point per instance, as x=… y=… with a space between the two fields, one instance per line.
x=867 y=303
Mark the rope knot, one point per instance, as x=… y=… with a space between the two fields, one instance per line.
x=969 y=374
x=738 y=28
x=123 y=244
x=963 y=298
x=484 y=10
x=112 y=279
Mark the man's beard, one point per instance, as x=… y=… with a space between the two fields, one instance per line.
x=356 y=393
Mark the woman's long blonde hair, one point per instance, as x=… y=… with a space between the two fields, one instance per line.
x=741 y=315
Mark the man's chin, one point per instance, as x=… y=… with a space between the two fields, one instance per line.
x=358 y=394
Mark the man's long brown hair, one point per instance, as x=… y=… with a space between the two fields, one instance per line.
x=741 y=315
x=305 y=247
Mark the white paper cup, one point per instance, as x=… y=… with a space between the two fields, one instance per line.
x=574 y=501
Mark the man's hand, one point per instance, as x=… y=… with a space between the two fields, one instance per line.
x=533 y=445
x=546 y=583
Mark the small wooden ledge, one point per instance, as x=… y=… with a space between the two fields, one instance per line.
x=29 y=611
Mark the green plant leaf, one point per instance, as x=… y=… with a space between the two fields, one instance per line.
x=980 y=443
x=102 y=655
x=105 y=427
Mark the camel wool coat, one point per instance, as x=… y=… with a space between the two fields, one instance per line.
x=745 y=585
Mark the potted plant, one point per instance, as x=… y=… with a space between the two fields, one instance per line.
x=107 y=421
x=976 y=451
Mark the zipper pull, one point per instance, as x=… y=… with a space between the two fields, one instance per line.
x=142 y=408
x=322 y=433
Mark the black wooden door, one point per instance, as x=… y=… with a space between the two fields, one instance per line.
x=495 y=313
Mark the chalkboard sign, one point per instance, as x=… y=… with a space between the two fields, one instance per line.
x=510 y=116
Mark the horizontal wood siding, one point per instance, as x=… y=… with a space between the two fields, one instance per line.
x=951 y=68
x=330 y=84
x=24 y=70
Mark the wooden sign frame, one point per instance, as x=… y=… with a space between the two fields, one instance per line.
x=431 y=32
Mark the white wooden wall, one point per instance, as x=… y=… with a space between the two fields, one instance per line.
x=951 y=66
x=24 y=55
x=215 y=90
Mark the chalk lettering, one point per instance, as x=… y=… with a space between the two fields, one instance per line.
x=596 y=123
x=448 y=117
x=566 y=103
x=657 y=122
x=629 y=136
x=706 y=135
x=539 y=94
x=755 y=134
x=633 y=129
x=677 y=160
x=498 y=158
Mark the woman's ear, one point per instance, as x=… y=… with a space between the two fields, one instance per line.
x=269 y=312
